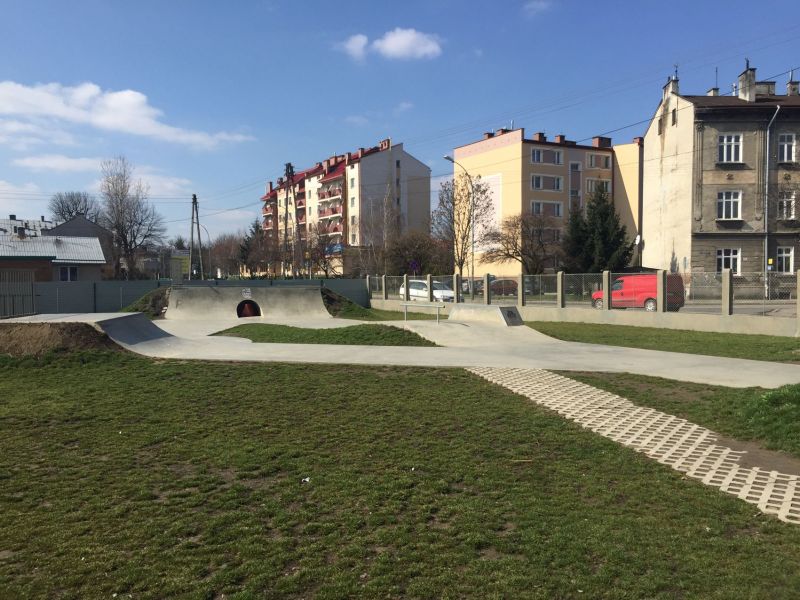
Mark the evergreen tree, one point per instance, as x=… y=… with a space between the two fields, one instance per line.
x=597 y=241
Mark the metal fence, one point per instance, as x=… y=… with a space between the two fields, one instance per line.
x=375 y=286
x=702 y=292
x=540 y=289
x=393 y=285
x=16 y=293
x=579 y=289
x=772 y=295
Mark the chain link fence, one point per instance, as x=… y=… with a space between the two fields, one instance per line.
x=703 y=292
x=772 y=295
x=580 y=287
x=540 y=289
x=375 y=286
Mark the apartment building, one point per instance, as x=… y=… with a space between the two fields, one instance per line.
x=351 y=200
x=721 y=178
x=550 y=178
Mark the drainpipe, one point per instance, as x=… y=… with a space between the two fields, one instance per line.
x=766 y=206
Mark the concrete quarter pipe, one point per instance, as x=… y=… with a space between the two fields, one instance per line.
x=224 y=303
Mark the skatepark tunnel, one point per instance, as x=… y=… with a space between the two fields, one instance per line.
x=248 y=308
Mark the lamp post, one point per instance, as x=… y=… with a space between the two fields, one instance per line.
x=471 y=221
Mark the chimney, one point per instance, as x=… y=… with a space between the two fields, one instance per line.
x=21 y=233
x=12 y=217
x=360 y=153
x=671 y=87
x=488 y=135
x=747 y=83
x=386 y=144
x=792 y=86
x=348 y=158
x=765 y=88
x=639 y=141
x=713 y=92
x=539 y=136
x=599 y=141
x=501 y=131
x=269 y=188
x=561 y=138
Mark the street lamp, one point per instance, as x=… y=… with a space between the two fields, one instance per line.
x=471 y=219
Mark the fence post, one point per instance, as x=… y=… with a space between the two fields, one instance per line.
x=369 y=287
x=606 y=290
x=727 y=292
x=406 y=291
x=383 y=287
x=661 y=291
x=521 y=290
x=487 y=293
x=797 y=300
x=94 y=296
x=429 y=282
x=560 y=292
x=456 y=288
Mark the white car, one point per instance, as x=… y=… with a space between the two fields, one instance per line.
x=418 y=290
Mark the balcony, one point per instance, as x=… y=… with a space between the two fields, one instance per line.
x=300 y=203
x=330 y=193
x=330 y=213
x=334 y=230
x=301 y=220
x=268 y=209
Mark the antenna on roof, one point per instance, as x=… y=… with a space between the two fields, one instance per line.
x=716 y=77
x=675 y=77
x=512 y=124
x=746 y=63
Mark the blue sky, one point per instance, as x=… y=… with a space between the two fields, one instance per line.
x=213 y=98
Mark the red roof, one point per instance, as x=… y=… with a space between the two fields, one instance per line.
x=338 y=171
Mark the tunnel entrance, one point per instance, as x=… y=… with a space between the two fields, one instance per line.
x=248 y=308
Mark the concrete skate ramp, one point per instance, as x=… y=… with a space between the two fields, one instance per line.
x=489 y=314
x=273 y=302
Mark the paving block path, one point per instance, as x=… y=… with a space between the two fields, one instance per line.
x=670 y=440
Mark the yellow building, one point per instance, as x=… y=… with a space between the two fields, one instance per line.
x=549 y=178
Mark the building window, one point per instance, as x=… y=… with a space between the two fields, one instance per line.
x=352 y=202
x=599 y=161
x=728 y=258
x=352 y=238
x=728 y=205
x=352 y=182
x=593 y=185
x=547 y=209
x=660 y=125
x=352 y=219
x=536 y=156
x=786 y=145
x=785 y=259
x=558 y=157
x=674 y=116
x=730 y=148
x=544 y=182
x=68 y=273
x=397 y=164
x=786 y=206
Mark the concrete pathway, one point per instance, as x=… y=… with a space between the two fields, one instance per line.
x=672 y=441
x=463 y=345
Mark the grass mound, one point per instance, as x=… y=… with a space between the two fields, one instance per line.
x=343 y=308
x=38 y=339
x=731 y=345
x=152 y=303
x=775 y=415
x=356 y=335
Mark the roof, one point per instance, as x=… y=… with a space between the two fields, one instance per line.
x=59 y=249
x=337 y=172
x=736 y=102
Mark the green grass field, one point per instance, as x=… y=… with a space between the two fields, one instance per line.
x=769 y=417
x=158 y=478
x=755 y=347
x=368 y=335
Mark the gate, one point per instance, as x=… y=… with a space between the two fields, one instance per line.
x=16 y=293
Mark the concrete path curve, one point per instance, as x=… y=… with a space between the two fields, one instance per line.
x=463 y=345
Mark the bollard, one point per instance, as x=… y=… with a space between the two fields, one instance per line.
x=560 y=295
x=727 y=292
x=487 y=293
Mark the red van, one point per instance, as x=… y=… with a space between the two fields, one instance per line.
x=639 y=291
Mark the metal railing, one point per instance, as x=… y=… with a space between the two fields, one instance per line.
x=17 y=297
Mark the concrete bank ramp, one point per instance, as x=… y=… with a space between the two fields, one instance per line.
x=230 y=302
x=491 y=314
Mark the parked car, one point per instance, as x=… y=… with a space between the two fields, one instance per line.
x=639 y=291
x=418 y=290
x=503 y=287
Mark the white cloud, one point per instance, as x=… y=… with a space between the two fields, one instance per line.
x=403 y=107
x=397 y=44
x=125 y=111
x=357 y=120
x=21 y=200
x=407 y=44
x=533 y=8
x=165 y=185
x=355 y=46
x=58 y=162
x=24 y=135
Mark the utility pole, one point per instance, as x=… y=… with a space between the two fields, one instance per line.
x=289 y=177
x=195 y=225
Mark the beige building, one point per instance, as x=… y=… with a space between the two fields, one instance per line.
x=350 y=200
x=721 y=177
x=551 y=178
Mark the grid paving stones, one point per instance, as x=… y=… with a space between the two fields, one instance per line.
x=670 y=440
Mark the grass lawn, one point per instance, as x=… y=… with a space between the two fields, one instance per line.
x=355 y=311
x=368 y=335
x=157 y=478
x=771 y=418
x=734 y=345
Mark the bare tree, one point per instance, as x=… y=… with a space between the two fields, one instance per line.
x=531 y=240
x=127 y=213
x=224 y=254
x=378 y=225
x=64 y=206
x=464 y=203
x=321 y=255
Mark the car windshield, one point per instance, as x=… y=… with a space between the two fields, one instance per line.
x=440 y=286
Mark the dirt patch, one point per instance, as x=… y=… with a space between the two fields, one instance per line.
x=37 y=339
x=757 y=456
